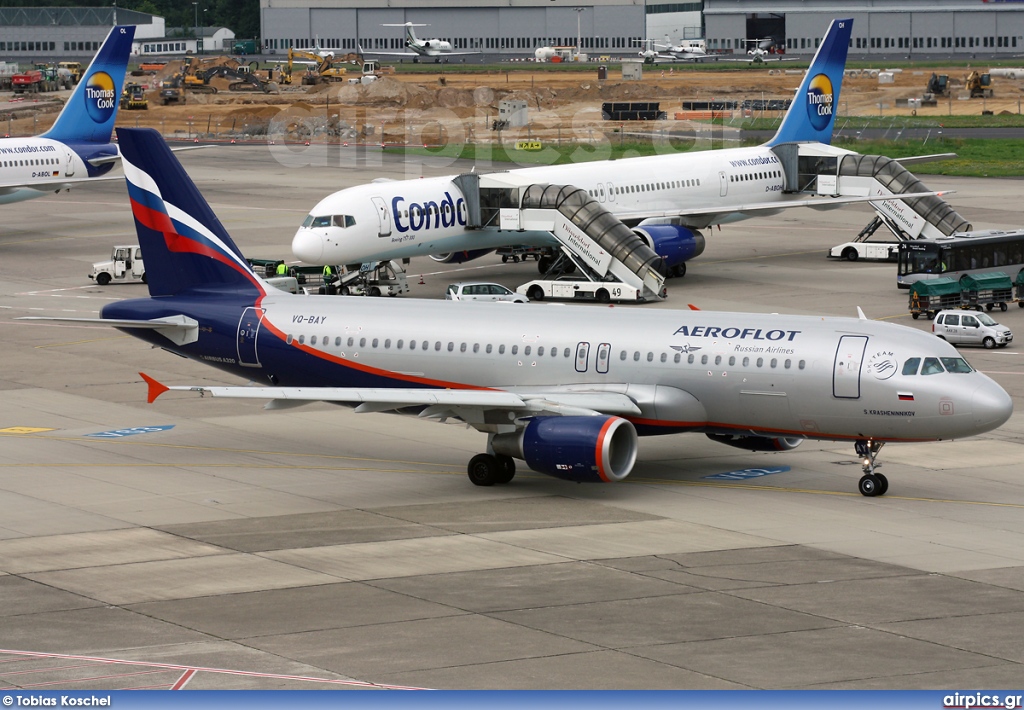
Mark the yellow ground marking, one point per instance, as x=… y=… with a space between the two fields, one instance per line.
x=24 y=430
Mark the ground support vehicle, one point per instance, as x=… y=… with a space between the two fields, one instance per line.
x=1018 y=288
x=519 y=253
x=968 y=328
x=125 y=265
x=579 y=288
x=986 y=290
x=933 y=295
x=376 y=278
x=267 y=267
x=74 y=69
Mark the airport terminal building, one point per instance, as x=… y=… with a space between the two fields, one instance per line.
x=893 y=28
x=45 y=33
x=513 y=29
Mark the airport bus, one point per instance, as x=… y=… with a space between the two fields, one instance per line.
x=959 y=254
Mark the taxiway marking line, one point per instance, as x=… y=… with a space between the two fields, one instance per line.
x=183 y=679
x=225 y=671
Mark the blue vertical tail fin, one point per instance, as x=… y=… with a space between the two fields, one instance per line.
x=89 y=115
x=183 y=243
x=812 y=114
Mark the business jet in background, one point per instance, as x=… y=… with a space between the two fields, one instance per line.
x=77 y=148
x=694 y=50
x=666 y=199
x=571 y=396
x=436 y=49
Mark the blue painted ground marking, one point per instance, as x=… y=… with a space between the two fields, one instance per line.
x=745 y=473
x=119 y=433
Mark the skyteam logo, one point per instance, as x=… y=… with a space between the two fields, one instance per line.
x=100 y=97
x=820 y=101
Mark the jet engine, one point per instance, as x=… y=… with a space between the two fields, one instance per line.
x=459 y=257
x=758 y=443
x=581 y=449
x=674 y=244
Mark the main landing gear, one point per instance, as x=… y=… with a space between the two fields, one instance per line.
x=871 y=484
x=488 y=469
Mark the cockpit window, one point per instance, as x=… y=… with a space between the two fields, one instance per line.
x=932 y=366
x=956 y=364
x=910 y=366
x=308 y=221
x=344 y=220
x=321 y=222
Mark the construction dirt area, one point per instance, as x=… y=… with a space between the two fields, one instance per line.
x=452 y=107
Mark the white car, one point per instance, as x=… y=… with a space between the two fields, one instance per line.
x=971 y=328
x=482 y=292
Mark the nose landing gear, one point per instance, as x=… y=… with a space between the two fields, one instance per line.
x=871 y=484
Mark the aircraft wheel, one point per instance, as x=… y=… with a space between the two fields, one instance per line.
x=103 y=279
x=679 y=270
x=869 y=485
x=883 y=484
x=508 y=469
x=989 y=343
x=485 y=470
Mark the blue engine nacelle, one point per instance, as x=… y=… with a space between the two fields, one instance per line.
x=673 y=243
x=460 y=257
x=582 y=449
x=758 y=443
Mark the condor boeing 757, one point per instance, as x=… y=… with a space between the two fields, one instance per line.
x=570 y=391
x=77 y=148
x=665 y=199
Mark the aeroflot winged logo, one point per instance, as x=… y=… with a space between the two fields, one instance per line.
x=99 y=97
x=820 y=101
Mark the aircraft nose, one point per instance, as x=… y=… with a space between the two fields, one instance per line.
x=308 y=246
x=992 y=406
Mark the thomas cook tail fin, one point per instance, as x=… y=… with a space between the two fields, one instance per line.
x=812 y=114
x=89 y=115
x=184 y=244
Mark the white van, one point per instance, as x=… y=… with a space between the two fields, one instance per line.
x=970 y=328
x=125 y=265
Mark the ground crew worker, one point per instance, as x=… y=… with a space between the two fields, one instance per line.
x=282 y=269
x=328 y=273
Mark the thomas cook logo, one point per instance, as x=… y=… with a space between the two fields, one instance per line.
x=820 y=101
x=100 y=98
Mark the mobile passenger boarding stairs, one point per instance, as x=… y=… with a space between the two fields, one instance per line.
x=592 y=239
x=825 y=170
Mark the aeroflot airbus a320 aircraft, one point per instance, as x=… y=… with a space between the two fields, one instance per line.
x=568 y=392
x=77 y=148
x=665 y=198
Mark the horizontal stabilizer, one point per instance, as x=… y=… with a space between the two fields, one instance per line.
x=180 y=330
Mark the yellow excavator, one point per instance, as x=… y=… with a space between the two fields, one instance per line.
x=323 y=69
x=980 y=85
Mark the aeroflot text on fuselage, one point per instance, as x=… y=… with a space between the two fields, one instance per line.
x=419 y=214
x=711 y=331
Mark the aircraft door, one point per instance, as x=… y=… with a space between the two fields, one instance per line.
x=69 y=169
x=248 y=333
x=611 y=192
x=582 y=356
x=723 y=184
x=383 y=216
x=600 y=192
x=604 y=351
x=846 y=372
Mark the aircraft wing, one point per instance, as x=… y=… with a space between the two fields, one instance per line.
x=755 y=207
x=103 y=160
x=53 y=184
x=468 y=404
x=917 y=159
x=390 y=54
